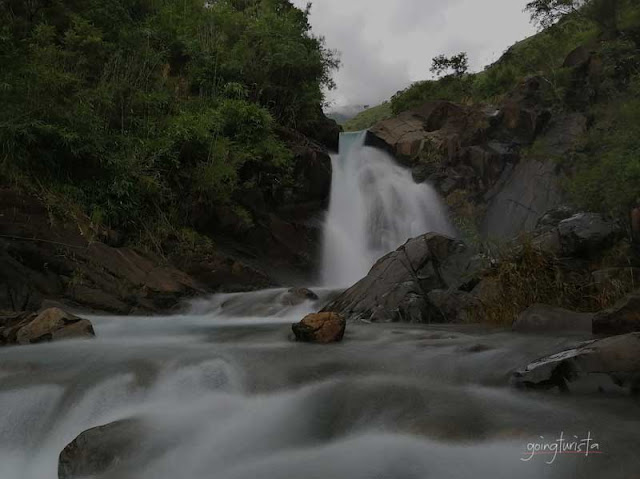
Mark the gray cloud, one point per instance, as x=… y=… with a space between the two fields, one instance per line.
x=387 y=44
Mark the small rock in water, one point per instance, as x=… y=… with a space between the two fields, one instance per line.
x=322 y=328
x=49 y=325
x=596 y=365
x=99 y=449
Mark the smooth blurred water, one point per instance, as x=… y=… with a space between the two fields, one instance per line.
x=375 y=207
x=223 y=392
x=227 y=394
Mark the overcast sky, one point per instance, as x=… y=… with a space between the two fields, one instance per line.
x=387 y=44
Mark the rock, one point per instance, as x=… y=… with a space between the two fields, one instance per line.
x=323 y=130
x=49 y=325
x=455 y=306
x=312 y=170
x=321 y=328
x=100 y=449
x=541 y=318
x=585 y=234
x=297 y=296
x=533 y=188
x=623 y=317
x=442 y=125
x=397 y=287
x=44 y=260
x=564 y=232
x=523 y=114
x=594 y=365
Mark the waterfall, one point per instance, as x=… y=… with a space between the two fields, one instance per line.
x=375 y=207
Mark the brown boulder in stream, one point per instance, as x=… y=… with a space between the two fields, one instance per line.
x=50 y=325
x=321 y=328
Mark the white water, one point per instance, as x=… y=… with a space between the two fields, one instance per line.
x=232 y=397
x=375 y=207
x=224 y=393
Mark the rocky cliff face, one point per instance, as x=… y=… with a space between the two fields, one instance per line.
x=493 y=165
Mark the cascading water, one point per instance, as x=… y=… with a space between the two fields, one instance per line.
x=375 y=207
x=222 y=392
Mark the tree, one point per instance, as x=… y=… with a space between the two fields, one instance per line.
x=458 y=65
x=547 y=12
x=602 y=12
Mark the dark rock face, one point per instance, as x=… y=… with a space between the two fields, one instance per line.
x=526 y=192
x=52 y=324
x=99 y=450
x=474 y=156
x=41 y=260
x=563 y=232
x=321 y=328
x=544 y=319
x=323 y=130
x=312 y=169
x=622 y=318
x=587 y=233
x=410 y=283
x=592 y=366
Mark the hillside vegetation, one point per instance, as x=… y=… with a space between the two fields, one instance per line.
x=369 y=117
x=140 y=112
x=605 y=168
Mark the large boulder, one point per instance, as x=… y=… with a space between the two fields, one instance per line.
x=404 y=285
x=563 y=232
x=622 y=318
x=100 y=449
x=591 y=366
x=544 y=319
x=321 y=328
x=52 y=324
x=441 y=124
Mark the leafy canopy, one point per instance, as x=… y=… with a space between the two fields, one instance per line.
x=135 y=108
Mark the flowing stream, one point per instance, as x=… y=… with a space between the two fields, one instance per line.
x=223 y=393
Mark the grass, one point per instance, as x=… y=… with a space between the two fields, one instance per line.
x=369 y=117
x=527 y=276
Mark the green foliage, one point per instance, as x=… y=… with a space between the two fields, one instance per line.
x=608 y=169
x=451 y=88
x=456 y=65
x=541 y=54
x=369 y=117
x=139 y=106
x=605 y=13
x=548 y=12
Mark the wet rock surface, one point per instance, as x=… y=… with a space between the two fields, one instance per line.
x=416 y=283
x=321 y=328
x=593 y=365
x=100 y=449
x=476 y=157
x=52 y=324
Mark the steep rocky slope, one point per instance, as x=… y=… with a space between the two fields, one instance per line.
x=494 y=165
